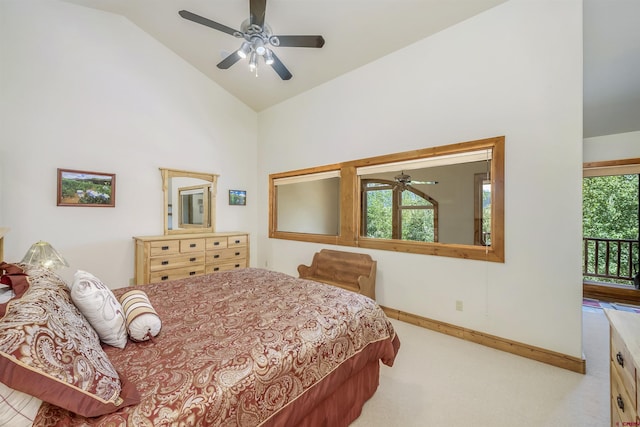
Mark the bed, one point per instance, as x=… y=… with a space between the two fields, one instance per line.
x=248 y=347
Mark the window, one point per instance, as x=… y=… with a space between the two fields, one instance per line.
x=428 y=201
x=610 y=222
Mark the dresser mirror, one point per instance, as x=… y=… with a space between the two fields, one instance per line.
x=189 y=201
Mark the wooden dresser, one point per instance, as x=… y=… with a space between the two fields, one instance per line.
x=176 y=256
x=624 y=367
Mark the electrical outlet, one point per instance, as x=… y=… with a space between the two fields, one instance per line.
x=459 y=305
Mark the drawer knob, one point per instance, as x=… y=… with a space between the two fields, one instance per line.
x=192 y=245
x=620 y=359
x=165 y=248
x=237 y=265
x=164 y=277
x=620 y=403
x=192 y=273
x=192 y=259
x=216 y=268
x=237 y=253
x=237 y=241
x=165 y=262
x=216 y=243
x=216 y=256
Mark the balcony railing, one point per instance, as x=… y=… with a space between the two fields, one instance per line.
x=610 y=260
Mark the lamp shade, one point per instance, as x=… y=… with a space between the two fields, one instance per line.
x=43 y=254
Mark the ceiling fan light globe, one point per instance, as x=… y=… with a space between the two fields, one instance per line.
x=244 y=50
x=253 y=62
x=268 y=57
x=258 y=46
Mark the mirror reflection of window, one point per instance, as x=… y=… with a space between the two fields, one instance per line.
x=427 y=200
x=193 y=206
x=482 y=216
x=193 y=201
x=309 y=203
x=392 y=210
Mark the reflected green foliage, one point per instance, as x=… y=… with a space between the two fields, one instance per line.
x=415 y=224
x=379 y=214
x=412 y=199
x=486 y=214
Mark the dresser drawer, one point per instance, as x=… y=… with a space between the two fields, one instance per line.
x=225 y=255
x=622 y=363
x=216 y=243
x=235 y=241
x=175 y=261
x=192 y=245
x=621 y=402
x=166 y=247
x=176 y=273
x=225 y=266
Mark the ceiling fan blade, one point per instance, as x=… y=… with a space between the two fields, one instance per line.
x=424 y=182
x=301 y=41
x=207 y=22
x=229 y=61
x=280 y=68
x=256 y=12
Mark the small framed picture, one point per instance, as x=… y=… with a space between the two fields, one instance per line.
x=237 y=197
x=88 y=189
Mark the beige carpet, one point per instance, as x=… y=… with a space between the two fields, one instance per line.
x=439 y=380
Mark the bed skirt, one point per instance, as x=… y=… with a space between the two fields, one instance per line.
x=337 y=403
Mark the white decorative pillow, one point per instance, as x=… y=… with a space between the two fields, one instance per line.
x=17 y=409
x=101 y=308
x=143 y=323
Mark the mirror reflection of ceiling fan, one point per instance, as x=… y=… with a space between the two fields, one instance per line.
x=405 y=180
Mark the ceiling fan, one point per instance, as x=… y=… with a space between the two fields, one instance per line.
x=258 y=39
x=405 y=180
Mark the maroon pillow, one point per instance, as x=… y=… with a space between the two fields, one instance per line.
x=14 y=277
x=50 y=351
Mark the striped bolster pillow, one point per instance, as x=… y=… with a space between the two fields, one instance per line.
x=143 y=323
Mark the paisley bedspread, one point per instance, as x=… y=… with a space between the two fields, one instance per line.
x=236 y=348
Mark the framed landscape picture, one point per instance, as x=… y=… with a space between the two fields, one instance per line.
x=83 y=188
x=237 y=197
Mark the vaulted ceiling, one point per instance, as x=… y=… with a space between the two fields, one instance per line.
x=358 y=32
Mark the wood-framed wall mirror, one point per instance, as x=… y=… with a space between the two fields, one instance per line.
x=189 y=201
x=446 y=201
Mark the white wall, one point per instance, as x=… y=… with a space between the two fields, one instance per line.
x=85 y=89
x=612 y=147
x=515 y=70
